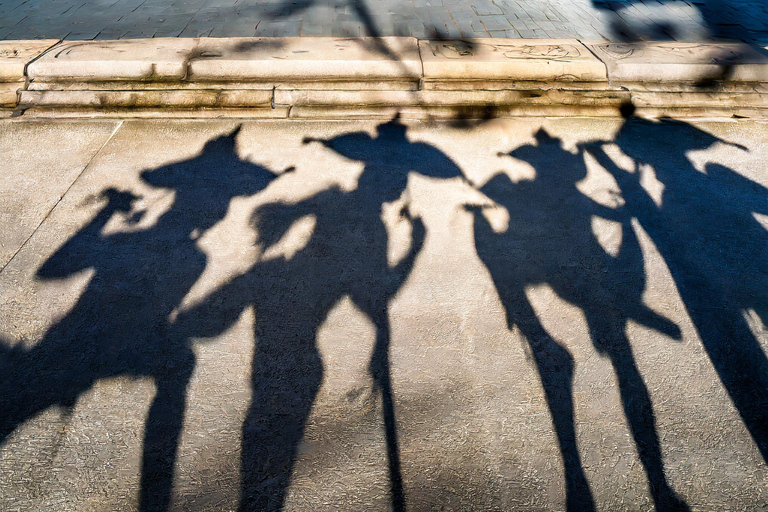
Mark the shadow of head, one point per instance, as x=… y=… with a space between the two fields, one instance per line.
x=393 y=131
x=551 y=161
x=648 y=137
x=207 y=182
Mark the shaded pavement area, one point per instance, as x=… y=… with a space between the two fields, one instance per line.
x=516 y=315
x=680 y=20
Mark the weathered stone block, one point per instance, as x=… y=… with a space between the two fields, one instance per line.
x=147 y=99
x=155 y=113
x=510 y=59
x=8 y=93
x=14 y=56
x=299 y=58
x=128 y=59
x=698 y=100
x=448 y=98
x=512 y=85
x=680 y=62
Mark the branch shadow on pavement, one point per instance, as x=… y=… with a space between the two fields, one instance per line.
x=722 y=20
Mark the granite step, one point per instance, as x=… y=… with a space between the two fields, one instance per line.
x=329 y=77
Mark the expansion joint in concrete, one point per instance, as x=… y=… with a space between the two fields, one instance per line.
x=61 y=197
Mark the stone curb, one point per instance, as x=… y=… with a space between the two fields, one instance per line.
x=14 y=58
x=324 y=77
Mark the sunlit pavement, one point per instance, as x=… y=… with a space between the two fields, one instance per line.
x=206 y=315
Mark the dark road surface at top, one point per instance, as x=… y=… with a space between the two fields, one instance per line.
x=745 y=20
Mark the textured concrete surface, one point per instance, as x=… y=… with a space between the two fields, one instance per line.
x=33 y=179
x=584 y=19
x=574 y=312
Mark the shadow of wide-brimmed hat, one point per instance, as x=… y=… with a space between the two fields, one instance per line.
x=217 y=168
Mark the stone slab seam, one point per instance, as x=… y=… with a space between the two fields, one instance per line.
x=63 y=194
x=14 y=59
x=583 y=43
x=44 y=53
x=16 y=112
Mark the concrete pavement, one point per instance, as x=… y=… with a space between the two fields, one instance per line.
x=196 y=316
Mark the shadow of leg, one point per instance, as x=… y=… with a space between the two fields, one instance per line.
x=161 y=436
x=380 y=371
x=285 y=386
x=555 y=366
x=739 y=361
x=609 y=337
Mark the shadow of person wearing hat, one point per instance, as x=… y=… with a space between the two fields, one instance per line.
x=550 y=241
x=292 y=295
x=119 y=326
x=705 y=228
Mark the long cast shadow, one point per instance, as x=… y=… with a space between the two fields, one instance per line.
x=119 y=325
x=346 y=256
x=550 y=241
x=715 y=248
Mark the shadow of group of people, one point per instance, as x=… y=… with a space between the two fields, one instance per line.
x=704 y=228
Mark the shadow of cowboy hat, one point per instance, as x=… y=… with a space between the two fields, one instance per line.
x=643 y=131
x=217 y=168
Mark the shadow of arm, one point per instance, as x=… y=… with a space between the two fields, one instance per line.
x=401 y=270
x=217 y=312
x=638 y=200
x=81 y=251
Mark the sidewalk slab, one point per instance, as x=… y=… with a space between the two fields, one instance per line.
x=40 y=162
x=682 y=62
x=474 y=423
x=510 y=59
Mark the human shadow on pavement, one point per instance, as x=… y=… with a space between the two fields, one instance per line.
x=550 y=241
x=291 y=296
x=119 y=326
x=716 y=250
